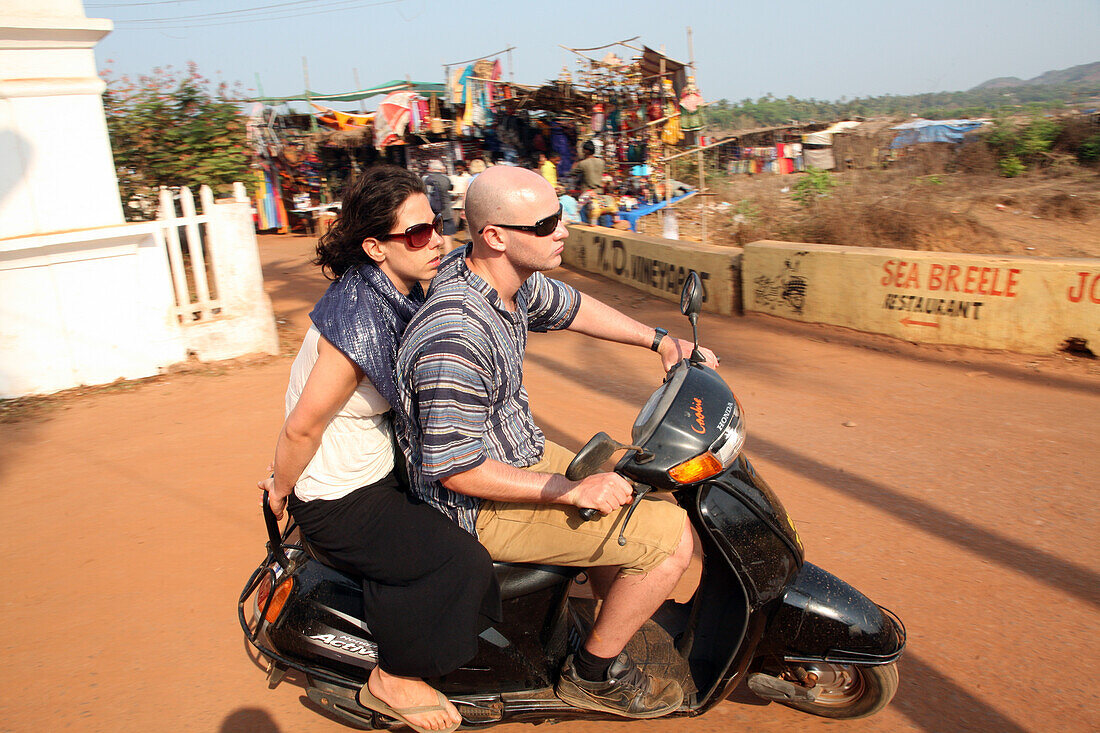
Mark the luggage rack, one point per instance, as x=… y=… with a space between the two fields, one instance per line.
x=281 y=558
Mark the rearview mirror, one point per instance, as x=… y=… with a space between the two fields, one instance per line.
x=593 y=455
x=691 y=298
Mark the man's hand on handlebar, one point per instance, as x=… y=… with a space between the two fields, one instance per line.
x=674 y=350
x=604 y=492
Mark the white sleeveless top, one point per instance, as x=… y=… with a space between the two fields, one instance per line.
x=357 y=446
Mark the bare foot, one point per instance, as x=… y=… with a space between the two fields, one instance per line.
x=409 y=692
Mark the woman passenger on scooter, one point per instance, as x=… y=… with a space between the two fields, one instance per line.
x=425 y=580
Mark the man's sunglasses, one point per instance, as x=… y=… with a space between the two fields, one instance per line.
x=418 y=235
x=541 y=228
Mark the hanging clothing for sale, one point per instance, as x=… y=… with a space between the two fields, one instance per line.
x=671 y=134
x=559 y=143
x=435 y=124
x=691 y=118
x=613 y=117
x=597 y=117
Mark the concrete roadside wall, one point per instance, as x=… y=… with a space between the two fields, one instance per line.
x=1029 y=305
x=657 y=266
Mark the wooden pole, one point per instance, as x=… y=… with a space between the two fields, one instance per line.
x=358 y=87
x=700 y=159
x=661 y=97
x=309 y=99
x=668 y=167
x=703 y=202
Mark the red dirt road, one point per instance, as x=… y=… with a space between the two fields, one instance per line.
x=963 y=496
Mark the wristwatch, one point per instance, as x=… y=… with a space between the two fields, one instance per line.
x=658 y=334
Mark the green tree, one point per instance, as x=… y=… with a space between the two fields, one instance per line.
x=816 y=184
x=173 y=129
x=1019 y=146
x=1035 y=99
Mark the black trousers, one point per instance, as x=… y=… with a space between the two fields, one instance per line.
x=428 y=585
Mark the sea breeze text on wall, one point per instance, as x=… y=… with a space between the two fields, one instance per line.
x=974 y=280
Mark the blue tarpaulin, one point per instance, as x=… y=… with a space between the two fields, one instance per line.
x=933 y=131
x=638 y=213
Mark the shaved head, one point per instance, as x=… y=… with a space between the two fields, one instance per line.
x=506 y=195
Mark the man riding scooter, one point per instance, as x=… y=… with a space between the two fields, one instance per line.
x=476 y=455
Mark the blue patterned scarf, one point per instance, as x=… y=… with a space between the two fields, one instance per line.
x=363 y=314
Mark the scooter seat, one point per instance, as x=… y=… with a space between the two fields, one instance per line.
x=515 y=579
x=520 y=579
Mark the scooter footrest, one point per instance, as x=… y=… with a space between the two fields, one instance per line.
x=342 y=707
x=480 y=712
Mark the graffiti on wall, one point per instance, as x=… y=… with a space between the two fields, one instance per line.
x=613 y=256
x=786 y=291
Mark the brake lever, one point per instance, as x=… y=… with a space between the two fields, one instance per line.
x=589 y=514
x=638 y=496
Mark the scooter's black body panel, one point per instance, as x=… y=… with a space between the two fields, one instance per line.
x=719 y=641
x=821 y=618
x=750 y=555
x=525 y=650
x=749 y=533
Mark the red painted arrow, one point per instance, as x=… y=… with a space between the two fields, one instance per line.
x=909 y=322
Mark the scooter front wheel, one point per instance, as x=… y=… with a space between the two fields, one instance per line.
x=848 y=691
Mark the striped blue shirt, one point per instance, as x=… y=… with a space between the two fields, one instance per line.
x=460 y=375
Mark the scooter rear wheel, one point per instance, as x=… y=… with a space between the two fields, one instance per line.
x=846 y=691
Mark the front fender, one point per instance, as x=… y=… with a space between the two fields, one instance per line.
x=820 y=618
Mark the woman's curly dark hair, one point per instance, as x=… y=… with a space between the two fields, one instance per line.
x=369 y=209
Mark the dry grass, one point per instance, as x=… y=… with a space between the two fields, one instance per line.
x=969 y=210
x=1067 y=206
x=868 y=209
x=909 y=217
x=976 y=159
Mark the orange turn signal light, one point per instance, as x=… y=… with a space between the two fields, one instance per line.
x=278 y=600
x=695 y=469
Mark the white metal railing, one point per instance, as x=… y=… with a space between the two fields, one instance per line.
x=196 y=288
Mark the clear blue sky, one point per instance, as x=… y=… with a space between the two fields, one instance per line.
x=807 y=49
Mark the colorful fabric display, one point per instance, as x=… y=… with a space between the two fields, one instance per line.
x=597 y=117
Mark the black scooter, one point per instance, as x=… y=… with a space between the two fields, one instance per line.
x=761 y=618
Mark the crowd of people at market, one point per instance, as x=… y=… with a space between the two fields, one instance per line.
x=589 y=192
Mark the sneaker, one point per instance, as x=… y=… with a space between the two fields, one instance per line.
x=627 y=691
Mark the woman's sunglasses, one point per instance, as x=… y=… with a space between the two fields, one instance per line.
x=541 y=228
x=418 y=235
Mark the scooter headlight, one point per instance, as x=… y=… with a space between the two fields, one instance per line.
x=723 y=452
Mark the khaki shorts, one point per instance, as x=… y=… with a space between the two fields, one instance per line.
x=553 y=534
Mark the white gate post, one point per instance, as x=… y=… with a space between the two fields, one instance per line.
x=246 y=311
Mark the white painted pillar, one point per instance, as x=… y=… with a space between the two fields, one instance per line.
x=56 y=167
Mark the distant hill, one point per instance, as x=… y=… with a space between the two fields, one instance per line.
x=1085 y=73
x=1052 y=92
